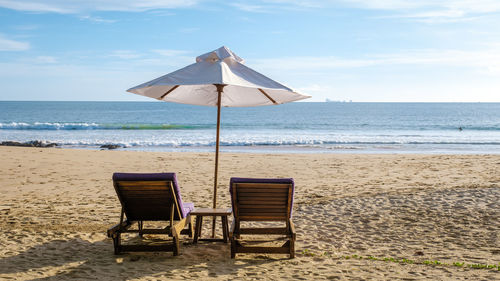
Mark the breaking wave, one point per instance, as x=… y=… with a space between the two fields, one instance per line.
x=94 y=126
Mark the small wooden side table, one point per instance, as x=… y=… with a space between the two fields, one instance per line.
x=211 y=212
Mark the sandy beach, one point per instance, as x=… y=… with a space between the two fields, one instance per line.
x=357 y=216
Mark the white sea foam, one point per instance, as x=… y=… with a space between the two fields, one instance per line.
x=325 y=127
x=90 y=126
x=235 y=138
x=48 y=126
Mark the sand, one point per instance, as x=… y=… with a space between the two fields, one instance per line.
x=56 y=205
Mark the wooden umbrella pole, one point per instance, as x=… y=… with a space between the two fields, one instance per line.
x=219 y=95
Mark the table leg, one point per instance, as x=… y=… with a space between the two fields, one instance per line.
x=199 y=227
x=225 y=228
x=197 y=230
x=213 y=226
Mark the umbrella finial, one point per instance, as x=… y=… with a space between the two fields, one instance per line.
x=220 y=54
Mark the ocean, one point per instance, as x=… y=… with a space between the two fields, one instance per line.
x=301 y=127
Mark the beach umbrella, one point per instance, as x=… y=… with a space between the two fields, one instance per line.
x=218 y=78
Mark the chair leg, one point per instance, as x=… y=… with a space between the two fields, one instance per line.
x=292 y=249
x=225 y=228
x=191 y=227
x=176 y=246
x=140 y=225
x=237 y=226
x=200 y=224
x=117 y=242
x=233 y=247
x=176 y=233
x=197 y=230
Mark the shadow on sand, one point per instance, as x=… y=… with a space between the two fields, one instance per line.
x=81 y=259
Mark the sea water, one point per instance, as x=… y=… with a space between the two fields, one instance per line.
x=295 y=127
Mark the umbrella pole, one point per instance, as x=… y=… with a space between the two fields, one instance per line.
x=219 y=94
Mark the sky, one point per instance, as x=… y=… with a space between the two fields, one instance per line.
x=359 y=50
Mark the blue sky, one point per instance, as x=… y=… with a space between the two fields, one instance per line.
x=360 y=50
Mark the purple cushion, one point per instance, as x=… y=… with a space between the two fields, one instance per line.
x=185 y=208
x=257 y=180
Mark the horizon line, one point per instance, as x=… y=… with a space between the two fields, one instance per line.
x=152 y=101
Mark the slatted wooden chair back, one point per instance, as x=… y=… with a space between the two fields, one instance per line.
x=148 y=200
x=262 y=201
x=266 y=200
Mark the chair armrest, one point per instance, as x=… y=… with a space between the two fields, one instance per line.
x=292 y=229
x=179 y=226
x=119 y=227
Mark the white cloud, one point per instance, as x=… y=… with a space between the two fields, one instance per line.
x=437 y=20
x=431 y=11
x=483 y=59
x=44 y=60
x=321 y=77
x=272 y=6
x=32 y=6
x=315 y=88
x=97 y=19
x=466 y=6
x=476 y=6
x=26 y=27
x=439 y=14
x=408 y=75
x=428 y=11
x=125 y=54
x=251 y=7
x=76 y=6
x=170 y=53
x=189 y=29
x=300 y=3
x=493 y=70
x=391 y=4
x=12 y=45
x=57 y=82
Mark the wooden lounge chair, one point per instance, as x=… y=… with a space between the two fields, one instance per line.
x=150 y=197
x=262 y=200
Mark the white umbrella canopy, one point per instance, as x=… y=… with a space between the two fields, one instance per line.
x=218 y=78
x=194 y=84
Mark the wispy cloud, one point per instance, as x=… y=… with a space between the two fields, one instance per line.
x=45 y=60
x=273 y=6
x=301 y=3
x=484 y=60
x=429 y=11
x=162 y=13
x=315 y=88
x=467 y=6
x=26 y=27
x=97 y=19
x=34 y=6
x=189 y=29
x=170 y=53
x=254 y=8
x=477 y=6
x=175 y=58
x=77 y=6
x=439 y=15
x=162 y=59
x=436 y=17
x=12 y=45
x=125 y=54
